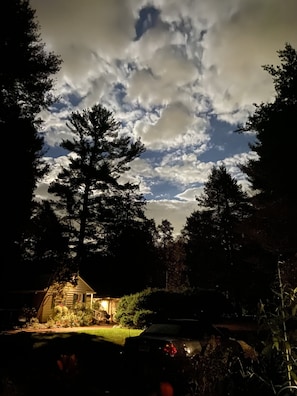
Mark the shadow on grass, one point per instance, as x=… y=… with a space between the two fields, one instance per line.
x=72 y=364
x=59 y=364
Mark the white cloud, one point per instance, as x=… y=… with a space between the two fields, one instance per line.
x=190 y=194
x=238 y=44
x=185 y=172
x=172 y=210
x=176 y=126
x=196 y=58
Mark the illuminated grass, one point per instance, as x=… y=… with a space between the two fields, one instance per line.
x=115 y=335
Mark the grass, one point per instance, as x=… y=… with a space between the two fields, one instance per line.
x=29 y=362
x=75 y=363
x=114 y=335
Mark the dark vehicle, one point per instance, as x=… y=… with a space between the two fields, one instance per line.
x=194 y=357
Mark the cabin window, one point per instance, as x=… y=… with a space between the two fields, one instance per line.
x=75 y=298
x=79 y=298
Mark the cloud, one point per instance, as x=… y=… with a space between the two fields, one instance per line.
x=174 y=210
x=241 y=40
x=167 y=69
x=175 y=126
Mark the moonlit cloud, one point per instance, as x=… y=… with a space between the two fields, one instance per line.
x=179 y=75
x=176 y=126
x=167 y=209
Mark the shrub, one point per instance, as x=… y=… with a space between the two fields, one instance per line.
x=34 y=322
x=140 y=309
x=277 y=366
x=60 y=310
x=27 y=314
x=125 y=311
x=79 y=315
x=142 y=318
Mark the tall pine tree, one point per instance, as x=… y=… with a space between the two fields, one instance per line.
x=212 y=233
x=93 y=199
x=273 y=173
x=26 y=81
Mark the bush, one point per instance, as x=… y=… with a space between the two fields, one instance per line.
x=140 y=309
x=142 y=318
x=60 y=310
x=80 y=315
x=126 y=310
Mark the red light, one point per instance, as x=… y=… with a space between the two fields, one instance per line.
x=170 y=349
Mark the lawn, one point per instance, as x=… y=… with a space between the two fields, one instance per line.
x=86 y=362
x=114 y=334
x=74 y=362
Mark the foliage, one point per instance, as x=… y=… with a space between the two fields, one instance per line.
x=28 y=316
x=212 y=234
x=26 y=89
x=218 y=369
x=234 y=237
x=278 y=321
x=142 y=317
x=126 y=309
x=46 y=249
x=89 y=190
x=268 y=120
x=171 y=255
x=140 y=309
x=273 y=168
x=132 y=243
x=79 y=315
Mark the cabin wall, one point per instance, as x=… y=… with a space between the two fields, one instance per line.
x=46 y=308
x=71 y=295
